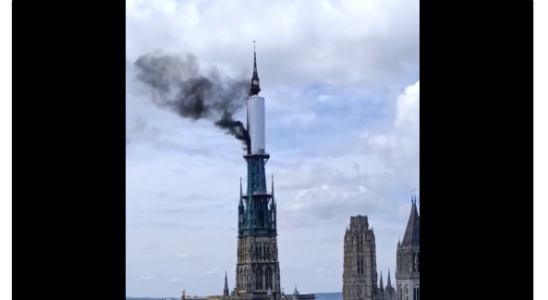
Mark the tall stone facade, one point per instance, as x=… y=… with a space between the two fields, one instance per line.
x=257 y=267
x=360 y=262
x=408 y=258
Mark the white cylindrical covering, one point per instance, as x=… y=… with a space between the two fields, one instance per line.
x=256 y=119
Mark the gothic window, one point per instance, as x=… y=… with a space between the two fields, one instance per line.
x=261 y=219
x=259 y=279
x=360 y=266
x=416 y=293
x=268 y=278
x=414 y=262
x=400 y=292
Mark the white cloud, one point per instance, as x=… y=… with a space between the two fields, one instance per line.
x=342 y=141
x=298 y=40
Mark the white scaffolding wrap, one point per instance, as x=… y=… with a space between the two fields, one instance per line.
x=256 y=121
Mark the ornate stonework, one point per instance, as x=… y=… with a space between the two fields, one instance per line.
x=360 y=262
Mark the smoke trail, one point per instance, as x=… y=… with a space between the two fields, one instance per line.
x=177 y=85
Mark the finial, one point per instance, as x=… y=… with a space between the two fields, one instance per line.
x=413 y=196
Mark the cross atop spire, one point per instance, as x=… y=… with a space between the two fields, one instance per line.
x=255 y=82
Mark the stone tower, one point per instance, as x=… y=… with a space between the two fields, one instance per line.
x=408 y=258
x=257 y=268
x=360 y=262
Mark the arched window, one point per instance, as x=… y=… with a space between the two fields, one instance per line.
x=416 y=293
x=259 y=279
x=400 y=293
x=268 y=279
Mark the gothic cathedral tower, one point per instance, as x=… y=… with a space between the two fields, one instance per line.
x=257 y=268
x=408 y=258
x=360 y=261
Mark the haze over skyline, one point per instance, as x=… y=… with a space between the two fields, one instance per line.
x=341 y=83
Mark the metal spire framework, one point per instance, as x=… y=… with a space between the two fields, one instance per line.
x=257 y=269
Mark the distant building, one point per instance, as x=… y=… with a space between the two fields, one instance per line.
x=360 y=262
x=408 y=258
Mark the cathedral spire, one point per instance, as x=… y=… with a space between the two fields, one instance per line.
x=225 y=290
x=255 y=82
x=388 y=283
x=412 y=231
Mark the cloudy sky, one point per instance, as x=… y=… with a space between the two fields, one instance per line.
x=341 y=82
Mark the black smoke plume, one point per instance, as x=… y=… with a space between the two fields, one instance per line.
x=178 y=85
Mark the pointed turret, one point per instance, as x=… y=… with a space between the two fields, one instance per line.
x=388 y=283
x=225 y=290
x=241 y=209
x=412 y=231
x=241 y=193
x=381 y=285
x=272 y=183
x=255 y=82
